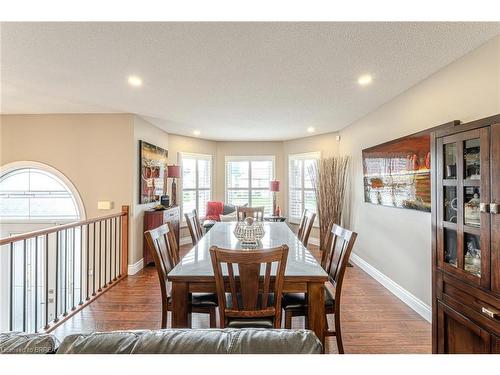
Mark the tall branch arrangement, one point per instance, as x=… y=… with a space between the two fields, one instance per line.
x=329 y=178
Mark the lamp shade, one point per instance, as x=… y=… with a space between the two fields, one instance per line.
x=274 y=186
x=173 y=171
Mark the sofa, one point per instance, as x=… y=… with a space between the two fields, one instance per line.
x=166 y=341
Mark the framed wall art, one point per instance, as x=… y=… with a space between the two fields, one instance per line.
x=152 y=170
x=397 y=173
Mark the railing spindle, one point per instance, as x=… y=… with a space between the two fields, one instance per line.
x=36 y=284
x=93 y=263
x=24 y=284
x=46 y=282
x=100 y=258
x=105 y=253
x=120 y=252
x=110 y=250
x=65 y=312
x=81 y=265
x=56 y=290
x=87 y=246
x=116 y=234
x=11 y=317
x=73 y=273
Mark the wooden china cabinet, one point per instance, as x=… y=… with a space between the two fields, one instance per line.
x=466 y=237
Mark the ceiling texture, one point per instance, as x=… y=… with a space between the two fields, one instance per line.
x=230 y=81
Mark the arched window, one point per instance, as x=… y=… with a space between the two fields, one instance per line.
x=35 y=194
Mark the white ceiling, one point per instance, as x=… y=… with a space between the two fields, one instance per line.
x=231 y=81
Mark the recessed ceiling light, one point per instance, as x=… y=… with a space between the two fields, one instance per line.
x=134 y=81
x=365 y=80
x=196 y=132
x=310 y=129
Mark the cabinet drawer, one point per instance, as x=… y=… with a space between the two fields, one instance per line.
x=170 y=215
x=479 y=306
x=458 y=334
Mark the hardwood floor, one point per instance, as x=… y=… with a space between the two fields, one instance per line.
x=373 y=319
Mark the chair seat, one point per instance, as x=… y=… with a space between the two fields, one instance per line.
x=250 y=323
x=204 y=299
x=296 y=301
x=201 y=299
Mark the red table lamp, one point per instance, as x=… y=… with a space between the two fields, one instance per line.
x=274 y=186
x=173 y=172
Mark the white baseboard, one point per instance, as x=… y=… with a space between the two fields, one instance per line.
x=413 y=302
x=136 y=267
x=185 y=241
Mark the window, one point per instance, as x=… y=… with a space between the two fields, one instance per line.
x=247 y=181
x=196 y=182
x=30 y=193
x=301 y=194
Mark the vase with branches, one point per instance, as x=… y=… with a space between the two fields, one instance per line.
x=329 y=177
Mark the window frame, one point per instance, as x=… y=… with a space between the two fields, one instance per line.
x=59 y=177
x=301 y=157
x=196 y=156
x=249 y=159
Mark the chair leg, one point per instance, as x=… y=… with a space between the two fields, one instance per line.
x=164 y=318
x=213 y=318
x=288 y=319
x=338 y=333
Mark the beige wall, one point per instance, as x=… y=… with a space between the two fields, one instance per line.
x=397 y=241
x=143 y=131
x=92 y=151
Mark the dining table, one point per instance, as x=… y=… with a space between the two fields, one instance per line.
x=303 y=274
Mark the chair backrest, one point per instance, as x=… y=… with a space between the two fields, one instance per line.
x=162 y=245
x=194 y=226
x=256 y=212
x=336 y=256
x=306 y=224
x=248 y=290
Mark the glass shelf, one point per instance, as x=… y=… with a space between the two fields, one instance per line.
x=450 y=161
x=450 y=247
x=472 y=251
x=450 y=204
x=472 y=215
x=472 y=159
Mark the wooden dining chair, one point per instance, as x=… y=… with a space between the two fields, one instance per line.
x=256 y=212
x=334 y=261
x=194 y=226
x=306 y=224
x=162 y=245
x=249 y=301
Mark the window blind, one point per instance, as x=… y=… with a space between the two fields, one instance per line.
x=301 y=194
x=196 y=182
x=247 y=181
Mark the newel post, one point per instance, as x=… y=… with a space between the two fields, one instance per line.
x=125 y=238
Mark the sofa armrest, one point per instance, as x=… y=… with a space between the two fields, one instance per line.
x=27 y=343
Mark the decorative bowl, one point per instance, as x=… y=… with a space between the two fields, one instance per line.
x=249 y=232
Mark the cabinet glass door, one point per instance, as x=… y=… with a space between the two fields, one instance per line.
x=463 y=182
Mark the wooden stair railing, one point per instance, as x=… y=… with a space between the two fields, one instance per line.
x=53 y=273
